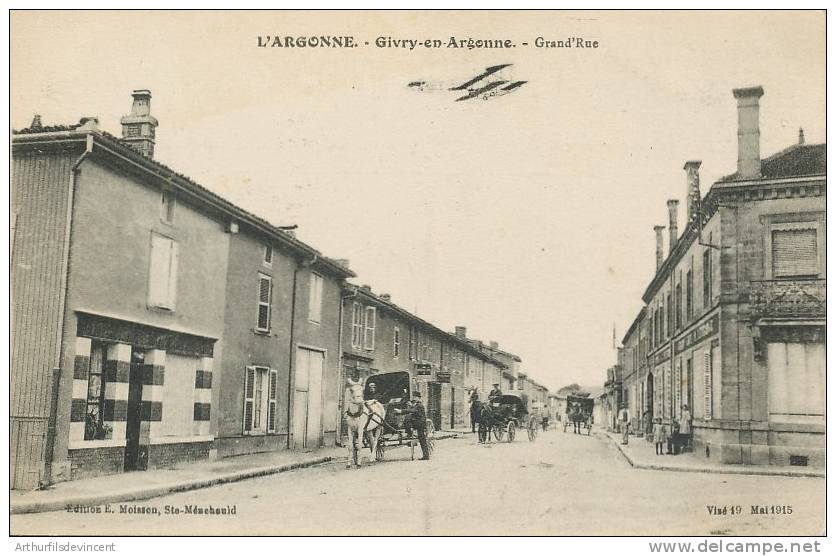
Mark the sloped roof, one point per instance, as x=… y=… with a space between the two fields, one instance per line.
x=797 y=160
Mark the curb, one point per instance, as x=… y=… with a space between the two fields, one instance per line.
x=162 y=490
x=756 y=472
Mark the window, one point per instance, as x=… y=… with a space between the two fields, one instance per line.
x=678 y=310
x=167 y=208
x=669 y=317
x=268 y=255
x=706 y=279
x=162 y=283
x=371 y=318
x=94 y=427
x=662 y=335
x=260 y=403
x=265 y=292
x=689 y=296
x=357 y=326
x=795 y=252
x=413 y=344
x=796 y=382
x=315 y=299
x=396 y=342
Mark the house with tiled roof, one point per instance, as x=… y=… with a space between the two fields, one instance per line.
x=154 y=321
x=732 y=333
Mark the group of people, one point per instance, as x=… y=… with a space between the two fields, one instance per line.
x=670 y=439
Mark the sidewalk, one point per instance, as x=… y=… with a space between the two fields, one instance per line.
x=141 y=485
x=641 y=454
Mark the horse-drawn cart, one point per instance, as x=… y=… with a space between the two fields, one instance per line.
x=579 y=408
x=503 y=416
x=394 y=391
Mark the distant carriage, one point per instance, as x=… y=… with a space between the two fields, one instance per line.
x=503 y=415
x=579 y=408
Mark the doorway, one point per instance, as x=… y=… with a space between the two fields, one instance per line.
x=135 y=459
x=434 y=404
x=307 y=399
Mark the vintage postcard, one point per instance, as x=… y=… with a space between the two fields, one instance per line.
x=553 y=273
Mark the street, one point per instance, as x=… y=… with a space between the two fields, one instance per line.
x=562 y=484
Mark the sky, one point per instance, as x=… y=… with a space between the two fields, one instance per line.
x=526 y=218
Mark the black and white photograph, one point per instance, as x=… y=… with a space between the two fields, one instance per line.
x=418 y=273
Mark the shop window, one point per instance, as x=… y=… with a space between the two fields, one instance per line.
x=94 y=426
x=796 y=382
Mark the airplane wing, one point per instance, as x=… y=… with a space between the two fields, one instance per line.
x=488 y=71
x=476 y=92
x=513 y=86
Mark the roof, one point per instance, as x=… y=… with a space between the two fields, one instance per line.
x=482 y=345
x=439 y=332
x=633 y=326
x=795 y=161
x=108 y=142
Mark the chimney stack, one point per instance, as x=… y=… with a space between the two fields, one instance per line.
x=36 y=123
x=659 y=247
x=461 y=332
x=673 y=228
x=800 y=135
x=343 y=262
x=692 y=177
x=386 y=297
x=748 y=131
x=139 y=127
x=494 y=345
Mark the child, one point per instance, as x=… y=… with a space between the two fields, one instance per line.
x=659 y=436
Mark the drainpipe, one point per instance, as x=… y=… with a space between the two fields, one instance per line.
x=291 y=358
x=52 y=421
x=341 y=362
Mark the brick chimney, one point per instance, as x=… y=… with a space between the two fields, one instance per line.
x=660 y=252
x=461 y=332
x=748 y=131
x=343 y=262
x=385 y=297
x=673 y=228
x=692 y=177
x=494 y=345
x=139 y=127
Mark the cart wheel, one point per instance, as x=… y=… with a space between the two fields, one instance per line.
x=381 y=451
x=512 y=431
x=498 y=432
x=430 y=437
x=483 y=433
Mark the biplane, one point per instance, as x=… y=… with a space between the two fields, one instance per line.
x=493 y=82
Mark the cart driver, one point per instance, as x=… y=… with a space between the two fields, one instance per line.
x=494 y=393
x=416 y=419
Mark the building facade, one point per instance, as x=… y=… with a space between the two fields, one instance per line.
x=125 y=278
x=735 y=315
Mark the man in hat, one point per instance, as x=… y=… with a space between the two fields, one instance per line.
x=416 y=418
x=494 y=393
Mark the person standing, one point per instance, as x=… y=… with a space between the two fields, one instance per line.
x=659 y=436
x=416 y=419
x=685 y=427
x=624 y=417
x=494 y=393
x=474 y=410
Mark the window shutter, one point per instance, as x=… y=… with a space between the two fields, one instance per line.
x=159 y=274
x=264 y=287
x=172 y=275
x=371 y=317
x=707 y=384
x=249 y=388
x=271 y=403
x=794 y=253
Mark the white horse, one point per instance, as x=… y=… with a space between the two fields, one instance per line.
x=363 y=419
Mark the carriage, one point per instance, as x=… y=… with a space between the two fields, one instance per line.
x=579 y=408
x=394 y=390
x=503 y=415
